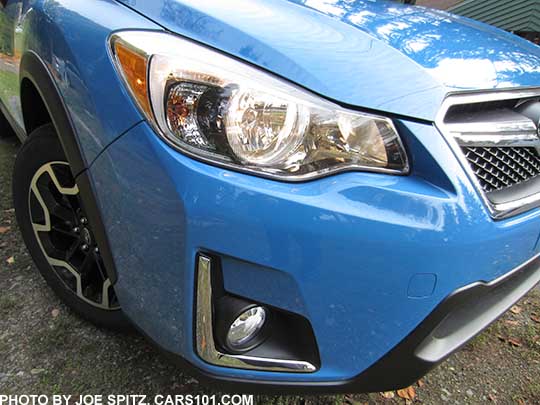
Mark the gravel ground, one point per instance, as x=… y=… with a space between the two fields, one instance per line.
x=46 y=349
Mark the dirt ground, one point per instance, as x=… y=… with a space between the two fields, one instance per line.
x=46 y=349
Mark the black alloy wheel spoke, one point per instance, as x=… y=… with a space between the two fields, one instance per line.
x=65 y=236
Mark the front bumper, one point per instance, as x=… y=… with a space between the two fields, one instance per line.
x=460 y=317
x=366 y=258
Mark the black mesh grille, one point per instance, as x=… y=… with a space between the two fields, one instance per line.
x=498 y=168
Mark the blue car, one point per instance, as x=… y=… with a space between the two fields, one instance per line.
x=301 y=195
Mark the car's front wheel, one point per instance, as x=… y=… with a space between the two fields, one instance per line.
x=56 y=230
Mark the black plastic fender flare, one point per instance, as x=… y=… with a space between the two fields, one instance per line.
x=34 y=69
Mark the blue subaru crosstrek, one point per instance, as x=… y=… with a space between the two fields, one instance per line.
x=321 y=195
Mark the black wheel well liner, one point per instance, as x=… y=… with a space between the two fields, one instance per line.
x=35 y=76
x=35 y=113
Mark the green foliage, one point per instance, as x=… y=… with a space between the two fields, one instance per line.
x=6 y=36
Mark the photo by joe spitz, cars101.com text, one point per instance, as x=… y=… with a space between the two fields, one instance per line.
x=288 y=196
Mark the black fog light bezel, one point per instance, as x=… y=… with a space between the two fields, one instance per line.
x=289 y=345
x=227 y=309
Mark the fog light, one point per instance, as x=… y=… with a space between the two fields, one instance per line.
x=246 y=327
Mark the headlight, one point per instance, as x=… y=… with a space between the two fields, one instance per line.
x=226 y=112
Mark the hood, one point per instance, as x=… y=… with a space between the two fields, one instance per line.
x=371 y=54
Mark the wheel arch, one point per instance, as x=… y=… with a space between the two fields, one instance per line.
x=34 y=111
x=39 y=90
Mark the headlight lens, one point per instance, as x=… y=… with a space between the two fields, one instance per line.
x=262 y=129
x=226 y=112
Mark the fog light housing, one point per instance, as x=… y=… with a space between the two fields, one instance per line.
x=276 y=341
x=246 y=327
x=241 y=325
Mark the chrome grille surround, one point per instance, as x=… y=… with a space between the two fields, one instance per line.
x=507 y=136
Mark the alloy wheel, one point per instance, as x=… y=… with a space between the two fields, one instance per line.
x=65 y=237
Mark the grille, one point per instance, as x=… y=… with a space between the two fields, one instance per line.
x=498 y=168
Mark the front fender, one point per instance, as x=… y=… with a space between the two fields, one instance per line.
x=71 y=39
x=65 y=58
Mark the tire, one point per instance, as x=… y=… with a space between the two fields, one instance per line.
x=56 y=232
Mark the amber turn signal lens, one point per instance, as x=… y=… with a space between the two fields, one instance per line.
x=134 y=68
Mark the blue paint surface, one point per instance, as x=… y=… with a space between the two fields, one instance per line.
x=340 y=250
x=422 y=285
x=374 y=54
x=345 y=251
x=71 y=38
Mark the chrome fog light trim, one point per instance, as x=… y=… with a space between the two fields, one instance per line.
x=206 y=347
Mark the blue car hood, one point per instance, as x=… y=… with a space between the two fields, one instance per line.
x=372 y=54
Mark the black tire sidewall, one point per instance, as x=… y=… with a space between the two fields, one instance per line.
x=41 y=147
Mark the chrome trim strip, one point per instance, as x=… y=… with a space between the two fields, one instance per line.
x=497 y=211
x=492 y=140
x=206 y=348
x=493 y=128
